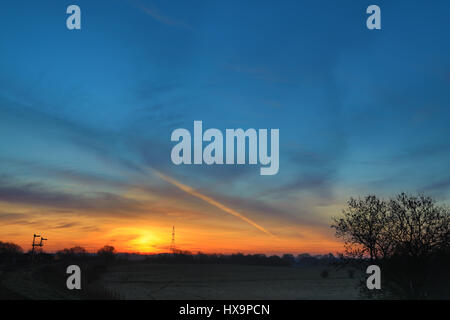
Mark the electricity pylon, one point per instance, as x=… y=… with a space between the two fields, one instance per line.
x=172 y=244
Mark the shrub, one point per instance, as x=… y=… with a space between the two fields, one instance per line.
x=324 y=274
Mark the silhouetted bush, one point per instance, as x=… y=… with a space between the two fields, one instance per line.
x=107 y=253
x=75 y=253
x=10 y=252
x=288 y=259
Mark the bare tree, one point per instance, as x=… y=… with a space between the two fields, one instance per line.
x=363 y=227
x=420 y=227
x=408 y=236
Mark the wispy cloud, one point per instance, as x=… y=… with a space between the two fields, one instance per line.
x=38 y=194
x=159 y=16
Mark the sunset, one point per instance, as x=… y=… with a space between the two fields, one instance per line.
x=224 y=150
x=203 y=224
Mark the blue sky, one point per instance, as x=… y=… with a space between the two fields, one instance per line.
x=359 y=111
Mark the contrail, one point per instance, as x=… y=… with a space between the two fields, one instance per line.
x=211 y=201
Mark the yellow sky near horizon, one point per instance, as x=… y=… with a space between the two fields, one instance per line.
x=203 y=224
x=217 y=234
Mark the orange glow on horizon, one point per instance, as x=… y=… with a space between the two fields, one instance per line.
x=200 y=222
x=128 y=237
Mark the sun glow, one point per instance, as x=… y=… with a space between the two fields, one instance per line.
x=143 y=240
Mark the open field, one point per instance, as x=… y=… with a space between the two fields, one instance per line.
x=197 y=282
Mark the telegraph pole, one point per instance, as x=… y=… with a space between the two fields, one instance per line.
x=36 y=244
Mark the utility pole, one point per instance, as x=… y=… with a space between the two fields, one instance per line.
x=41 y=244
x=36 y=244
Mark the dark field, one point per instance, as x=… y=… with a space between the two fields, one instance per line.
x=197 y=282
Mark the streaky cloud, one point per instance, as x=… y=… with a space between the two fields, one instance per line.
x=211 y=201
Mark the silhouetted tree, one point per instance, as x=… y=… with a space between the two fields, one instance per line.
x=72 y=253
x=407 y=236
x=362 y=226
x=9 y=252
x=288 y=258
x=418 y=227
x=107 y=252
x=9 y=248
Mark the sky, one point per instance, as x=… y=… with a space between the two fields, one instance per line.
x=86 y=118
